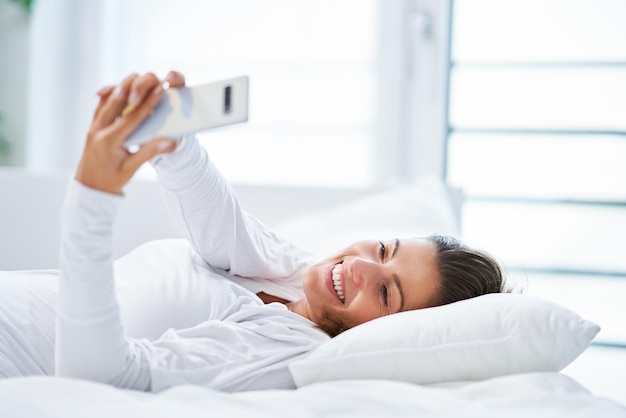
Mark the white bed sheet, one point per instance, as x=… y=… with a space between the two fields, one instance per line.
x=535 y=395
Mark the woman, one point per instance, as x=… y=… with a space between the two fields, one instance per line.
x=268 y=303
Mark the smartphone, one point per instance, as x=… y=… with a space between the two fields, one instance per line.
x=186 y=110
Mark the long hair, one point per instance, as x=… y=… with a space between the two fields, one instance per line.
x=464 y=272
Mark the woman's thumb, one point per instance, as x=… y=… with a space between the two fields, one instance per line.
x=150 y=150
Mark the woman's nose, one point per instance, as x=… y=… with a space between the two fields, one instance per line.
x=362 y=270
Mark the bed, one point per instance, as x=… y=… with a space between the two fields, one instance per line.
x=535 y=395
x=493 y=356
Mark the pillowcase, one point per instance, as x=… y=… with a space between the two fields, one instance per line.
x=160 y=286
x=416 y=209
x=475 y=339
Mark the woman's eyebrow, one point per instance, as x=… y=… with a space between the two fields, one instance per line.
x=396 y=281
x=395 y=249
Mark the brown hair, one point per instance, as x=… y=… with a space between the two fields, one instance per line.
x=464 y=272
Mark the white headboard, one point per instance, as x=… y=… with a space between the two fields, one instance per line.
x=31 y=203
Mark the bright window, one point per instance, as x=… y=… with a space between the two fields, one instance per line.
x=313 y=68
x=538 y=142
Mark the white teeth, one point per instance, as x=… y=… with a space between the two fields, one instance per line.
x=337 y=281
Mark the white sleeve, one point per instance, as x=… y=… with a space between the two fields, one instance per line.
x=90 y=341
x=229 y=350
x=206 y=211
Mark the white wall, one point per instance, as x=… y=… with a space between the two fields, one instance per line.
x=31 y=201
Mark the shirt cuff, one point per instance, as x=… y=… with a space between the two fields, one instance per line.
x=81 y=199
x=181 y=168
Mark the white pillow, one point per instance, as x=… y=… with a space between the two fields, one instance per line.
x=417 y=209
x=475 y=339
x=159 y=286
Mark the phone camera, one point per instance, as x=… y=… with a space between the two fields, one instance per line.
x=227 y=99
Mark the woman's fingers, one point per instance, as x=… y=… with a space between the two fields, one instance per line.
x=124 y=99
x=146 y=83
x=148 y=151
x=106 y=90
x=126 y=125
x=175 y=79
x=104 y=94
x=138 y=91
x=114 y=104
x=123 y=108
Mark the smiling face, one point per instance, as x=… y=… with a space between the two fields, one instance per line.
x=370 y=279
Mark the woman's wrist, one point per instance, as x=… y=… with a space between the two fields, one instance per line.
x=179 y=167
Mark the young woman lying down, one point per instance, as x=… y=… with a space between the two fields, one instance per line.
x=253 y=328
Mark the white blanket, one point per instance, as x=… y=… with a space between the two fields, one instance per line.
x=535 y=395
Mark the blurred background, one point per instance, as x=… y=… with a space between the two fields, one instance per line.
x=521 y=103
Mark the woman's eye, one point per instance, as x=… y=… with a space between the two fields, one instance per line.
x=384 y=295
x=382 y=251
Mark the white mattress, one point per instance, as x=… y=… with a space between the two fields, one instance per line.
x=533 y=395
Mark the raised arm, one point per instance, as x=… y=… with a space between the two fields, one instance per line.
x=90 y=341
x=206 y=211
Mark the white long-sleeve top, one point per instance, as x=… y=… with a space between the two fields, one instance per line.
x=242 y=345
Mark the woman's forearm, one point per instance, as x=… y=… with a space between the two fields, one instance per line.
x=90 y=341
x=206 y=211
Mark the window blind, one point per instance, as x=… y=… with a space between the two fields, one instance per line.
x=537 y=139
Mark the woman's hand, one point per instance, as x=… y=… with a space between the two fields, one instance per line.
x=106 y=164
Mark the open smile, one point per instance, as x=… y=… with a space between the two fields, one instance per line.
x=336 y=282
